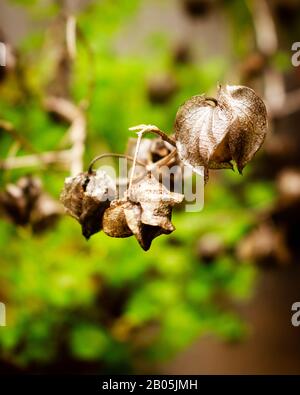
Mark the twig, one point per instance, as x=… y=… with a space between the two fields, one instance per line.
x=265 y=30
x=267 y=44
x=45 y=158
x=71 y=36
x=62 y=107
x=77 y=132
x=77 y=137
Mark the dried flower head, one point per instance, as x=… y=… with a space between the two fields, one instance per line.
x=86 y=196
x=26 y=203
x=213 y=132
x=17 y=200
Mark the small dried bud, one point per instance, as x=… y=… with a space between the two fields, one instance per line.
x=151 y=150
x=209 y=247
x=265 y=245
x=212 y=132
x=86 y=196
x=18 y=200
x=288 y=184
x=25 y=203
x=161 y=88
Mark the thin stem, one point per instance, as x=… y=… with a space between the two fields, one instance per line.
x=154 y=129
x=137 y=147
x=149 y=168
x=109 y=155
x=163 y=161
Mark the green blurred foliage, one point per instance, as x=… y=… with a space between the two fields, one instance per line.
x=106 y=300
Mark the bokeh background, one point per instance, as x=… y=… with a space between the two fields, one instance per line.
x=216 y=295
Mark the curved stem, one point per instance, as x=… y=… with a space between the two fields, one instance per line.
x=163 y=161
x=149 y=168
x=108 y=155
x=155 y=130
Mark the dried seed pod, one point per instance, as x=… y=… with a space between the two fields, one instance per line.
x=288 y=185
x=25 y=203
x=73 y=193
x=17 y=200
x=209 y=247
x=212 y=132
x=145 y=212
x=124 y=219
x=114 y=220
x=265 y=245
x=156 y=202
x=86 y=196
x=144 y=233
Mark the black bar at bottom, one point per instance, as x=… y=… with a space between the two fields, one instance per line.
x=94 y=384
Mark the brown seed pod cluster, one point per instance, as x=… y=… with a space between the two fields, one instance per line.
x=208 y=132
x=144 y=211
